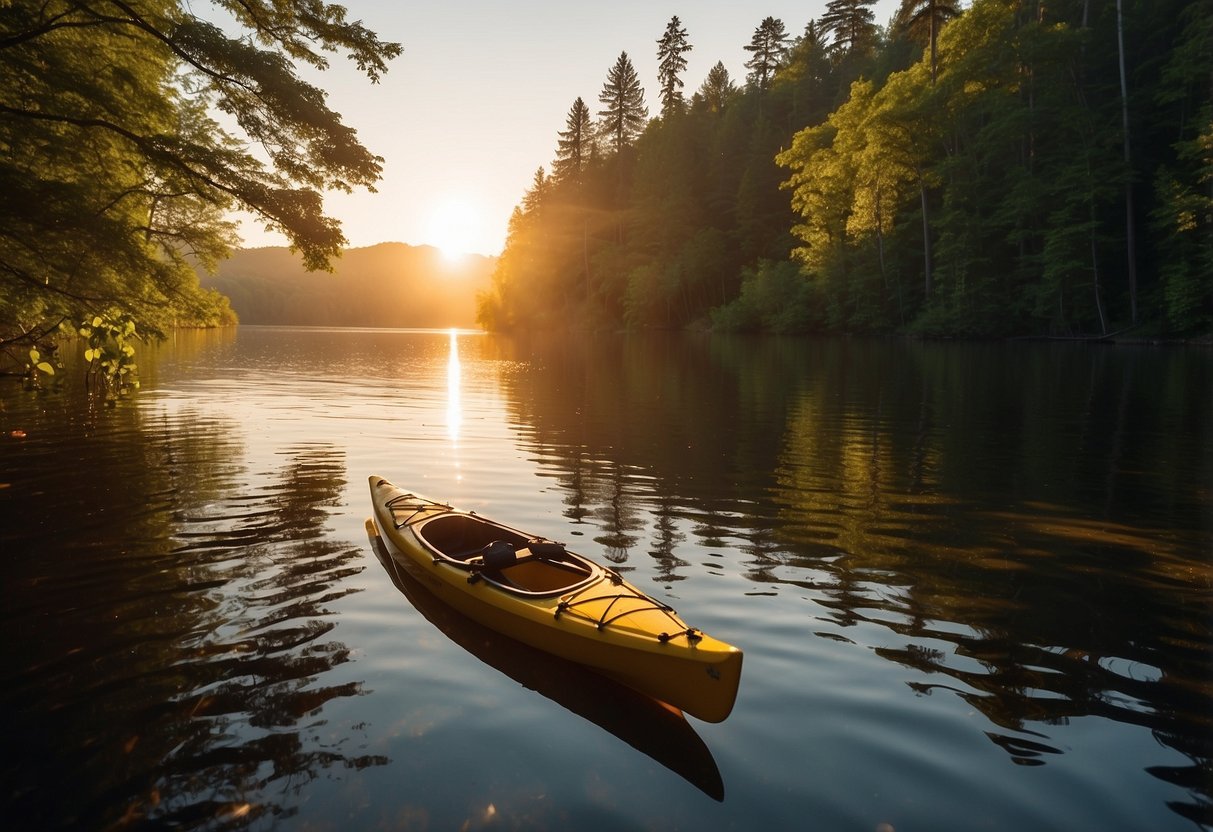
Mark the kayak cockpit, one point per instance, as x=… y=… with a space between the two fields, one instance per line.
x=504 y=557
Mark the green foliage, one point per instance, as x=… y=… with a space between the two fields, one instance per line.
x=921 y=20
x=110 y=355
x=1182 y=217
x=979 y=190
x=116 y=177
x=775 y=297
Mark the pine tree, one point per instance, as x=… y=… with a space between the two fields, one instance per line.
x=671 y=64
x=851 y=24
x=576 y=145
x=922 y=20
x=623 y=97
x=717 y=88
x=535 y=197
x=769 y=47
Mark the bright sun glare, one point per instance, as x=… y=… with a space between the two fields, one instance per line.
x=454 y=224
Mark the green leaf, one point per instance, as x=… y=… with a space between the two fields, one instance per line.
x=97 y=321
x=46 y=368
x=34 y=355
x=90 y=354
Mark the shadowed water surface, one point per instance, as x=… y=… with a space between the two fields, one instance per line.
x=973 y=584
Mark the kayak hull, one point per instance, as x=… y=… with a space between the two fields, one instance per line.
x=563 y=604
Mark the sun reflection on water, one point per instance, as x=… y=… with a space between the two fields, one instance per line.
x=454 y=403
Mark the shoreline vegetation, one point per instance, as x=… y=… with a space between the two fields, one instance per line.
x=983 y=170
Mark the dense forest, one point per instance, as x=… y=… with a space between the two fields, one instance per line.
x=389 y=285
x=1009 y=167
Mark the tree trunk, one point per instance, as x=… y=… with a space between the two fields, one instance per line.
x=1103 y=322
x=884 y=275
x=1130 y=225
x=926 y=238
x=931 y=11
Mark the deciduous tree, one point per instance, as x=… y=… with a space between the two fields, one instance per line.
x=115 y=177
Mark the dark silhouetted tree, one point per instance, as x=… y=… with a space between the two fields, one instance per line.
x=717 y=88
x=575 y=147
x=624 y=113
x=851 y=25
x=769 y=48
x=671 y=64
x=921 y=20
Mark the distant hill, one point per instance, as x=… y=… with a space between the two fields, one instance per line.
x=388 y=285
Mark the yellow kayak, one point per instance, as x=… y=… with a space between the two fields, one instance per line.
x=651 y=727
x=538 y=592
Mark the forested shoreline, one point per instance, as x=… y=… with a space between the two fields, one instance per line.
x=1005 y=168
x=999 y=169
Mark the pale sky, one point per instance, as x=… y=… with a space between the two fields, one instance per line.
x=473 y=106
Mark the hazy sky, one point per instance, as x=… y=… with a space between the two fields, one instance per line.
x=473 y=107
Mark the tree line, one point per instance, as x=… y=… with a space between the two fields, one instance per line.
x=1007 y=168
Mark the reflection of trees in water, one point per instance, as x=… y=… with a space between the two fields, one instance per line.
x=1028 y=521
x=667 y=536
x=575 y=490
x=256 y=684
x=178 y=672
x=616 y=515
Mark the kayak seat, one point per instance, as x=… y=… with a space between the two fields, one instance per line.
x=533 y=574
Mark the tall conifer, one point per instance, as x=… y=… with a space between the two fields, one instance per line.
x=717 y=88
x=851 y=23
x=625 y=112
x=671 y=64
x=576 y=145
x=922 y=20
x=770 y=48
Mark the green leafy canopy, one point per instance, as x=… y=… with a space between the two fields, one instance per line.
x=116 y=176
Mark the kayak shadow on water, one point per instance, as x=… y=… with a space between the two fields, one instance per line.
x=649 y=726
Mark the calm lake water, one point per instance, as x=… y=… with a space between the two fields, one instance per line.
x=973 y=584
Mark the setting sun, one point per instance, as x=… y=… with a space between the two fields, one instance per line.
x=454 y=226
